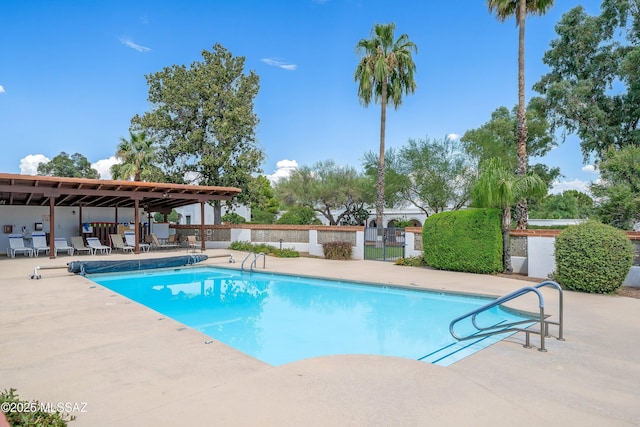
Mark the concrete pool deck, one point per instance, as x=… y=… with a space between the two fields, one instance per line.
x=65 y=339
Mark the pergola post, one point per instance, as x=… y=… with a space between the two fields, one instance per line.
x=52 y=227
x=202 y=235
x=136 y=220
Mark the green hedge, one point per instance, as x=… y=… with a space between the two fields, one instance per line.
x=467 y=240
x=592 y=257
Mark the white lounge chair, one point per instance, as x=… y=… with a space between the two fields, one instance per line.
x=118 y=243
x=94 y=243
x=130 y=240
x=16 y=246
x=39 y=243
x=77 y=242
x=60 y=245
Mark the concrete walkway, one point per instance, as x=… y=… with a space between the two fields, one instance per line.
x=116 y=363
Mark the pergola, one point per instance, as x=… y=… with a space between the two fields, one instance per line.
x=29 y=190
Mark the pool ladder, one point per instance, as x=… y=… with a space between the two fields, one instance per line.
x=500 y=328
x=255 y=259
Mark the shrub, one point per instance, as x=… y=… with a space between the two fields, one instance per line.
x=24 y=413
x=241 y=246
x=592 y=257
x=263 y=247
x=337 y=250
x=414 y=261
x=466 y=240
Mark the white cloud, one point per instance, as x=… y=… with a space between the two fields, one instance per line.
x=2 y=89
x=560 y=186
x=284 y=169
x=277 y=63
x=589 y=168
x=29 y=164
x=104 y=166
x=453 y=136
x=129 y=43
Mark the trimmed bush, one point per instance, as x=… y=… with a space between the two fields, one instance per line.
x=266 y=249
x=592 y=257
x=337 y=250
x=412 y=261
x=467 y=240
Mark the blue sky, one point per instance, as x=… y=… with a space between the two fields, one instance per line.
x=72 y=74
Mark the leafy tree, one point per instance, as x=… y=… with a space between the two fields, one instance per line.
x=569 y=204
x=593 y=88
x=434 y=175
x=138 y=157
x=76 y=166
x=499 y=137
x=324 y=187
x=264 y=204
x=618 y=192
x=233 y=218
x=172 y=217
x=384 y=74
x=504 y=9
x=299 y=215
x=203 y=116
x=394 y=180
x=499 y=187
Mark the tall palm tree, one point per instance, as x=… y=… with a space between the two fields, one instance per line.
x=384 y=74
x=137 y=156
x=498 y=187
x=504 y=9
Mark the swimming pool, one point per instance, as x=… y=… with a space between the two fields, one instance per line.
x=279 y=319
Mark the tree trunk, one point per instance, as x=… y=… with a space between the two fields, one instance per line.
x=217 y=213
x=521 y=207
x=381 y=168
x=506 y=247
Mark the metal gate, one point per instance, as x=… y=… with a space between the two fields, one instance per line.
x=384 y=245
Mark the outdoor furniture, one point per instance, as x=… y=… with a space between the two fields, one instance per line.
x=77 y=242
x=60 y=245
x=130 y=240
x=16 y=246
x=118 y=243
x=158 y=245
x=39 y=243
x=192 y=243
x=95 y=244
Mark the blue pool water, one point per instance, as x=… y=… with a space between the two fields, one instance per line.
x=280 y=319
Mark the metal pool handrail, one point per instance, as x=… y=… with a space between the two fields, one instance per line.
x=255 y=259
x=510 y=327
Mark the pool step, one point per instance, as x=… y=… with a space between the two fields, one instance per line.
x=454 y=352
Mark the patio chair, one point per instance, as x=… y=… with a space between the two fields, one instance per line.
x=95 y=244
x=77 y=242
x=16 y=246
x=192 y=243
x=156 y=243
x=39 y=243
x=118 y=243
x=130 y=240
x=60 y=245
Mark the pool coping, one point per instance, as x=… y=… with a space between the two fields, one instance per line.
x=65 y=341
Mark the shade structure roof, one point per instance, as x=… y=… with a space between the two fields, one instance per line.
x=29 y=190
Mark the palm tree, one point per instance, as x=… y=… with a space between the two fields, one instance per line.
x=384 y=74
x=498 y=187
x=137 y=157
x=504 y=9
